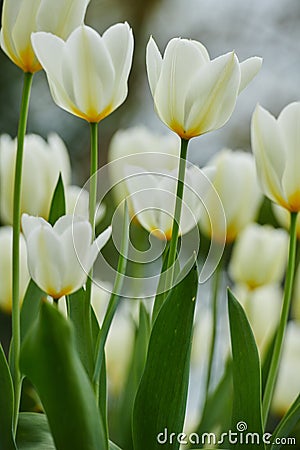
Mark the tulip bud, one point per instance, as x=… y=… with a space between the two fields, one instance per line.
x=21 y=18
x=60 y=257
x=6 y=234
x=288 y=382
x=87 y=73
x=42 y=163
x=275 y=146
x=193 y=94
x=236 y=184
x=259 y=256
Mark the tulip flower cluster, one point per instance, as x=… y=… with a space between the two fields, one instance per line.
x=105 y=338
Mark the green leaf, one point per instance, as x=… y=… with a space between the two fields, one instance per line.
x=113 y=446
x=50 y=360
x=246 y=375
x=6 y=405
x=58 y=203
x=30 y=307
x=161 y=399
x=33 y=432
x=286 y=425
x=76 y=309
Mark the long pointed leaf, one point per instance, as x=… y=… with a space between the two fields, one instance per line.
x=6 y=405
x=58 y=203
x=246 y=414
x=287 y=424
x=50 y=360
x=161 y=399
x=33 y=432
x=30 y=307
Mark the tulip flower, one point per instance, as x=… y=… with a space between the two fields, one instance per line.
x=153 y=196
x=6 y=269
x=43 y=162
x=60 y=257
x=193 y=94
x=21 y=18
x=87 y=73
x=275 y=146
x=259 y=303
x=142 y=147
x=288 y=382
x=259 y=256
x=236 y=184
x=77 y=202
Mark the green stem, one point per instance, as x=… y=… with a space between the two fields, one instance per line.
x=178 y=206
x=216 y=284
x=272 y=375
x=92 y=209
x=27 y=82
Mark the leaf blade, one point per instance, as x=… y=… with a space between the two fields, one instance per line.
x=6 y=405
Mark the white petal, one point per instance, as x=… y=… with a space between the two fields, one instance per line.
x=153 y=63
x=119 y=42
x=249 y=68
x=30 y=224
x=61 y=17
x=96 y=247
x=269 y=153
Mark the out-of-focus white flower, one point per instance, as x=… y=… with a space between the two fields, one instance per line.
x=275 y=145
x=153 y=197
x=288 y=382
x=283 y=217
x=87 y=73
x=262 y=306
x=193 y=94
x=42 y=163
x=60 y=257
x=236 y=184
x=77 y=202
x=22 y=17
x=6 y=234
x=141 y=147
x=259 y=256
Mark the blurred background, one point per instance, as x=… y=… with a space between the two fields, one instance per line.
x=268 y=29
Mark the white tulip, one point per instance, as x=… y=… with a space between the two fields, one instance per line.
x=275 y=146
x=60 y=257
x=193 y=94
x=6 y=234
x=288 y=382
x=142 y=147
x=42 y=163
x=87 y=73
x=22 y=17
x=259 y=256
x=261 y=303
x=236 y=184
x=153 y=195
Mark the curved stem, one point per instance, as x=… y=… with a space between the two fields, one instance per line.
x=178 y=204
x=272 y=375
x=16 y=244
x=92 y=209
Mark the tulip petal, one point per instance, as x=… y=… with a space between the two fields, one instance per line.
x=64 y=18
x=50 y=52
x=30 y=224
x=216 y=85
x=249 y=68
x=46 y=260
x=289 y=124
x=269 y=154
x=119 y=42
x=96 y=247
x=153 y=63
x=88 y=73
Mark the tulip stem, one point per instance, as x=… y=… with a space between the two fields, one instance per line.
x=16 y=341
x=92 y=209
x=272 y=375
x=178 y=207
